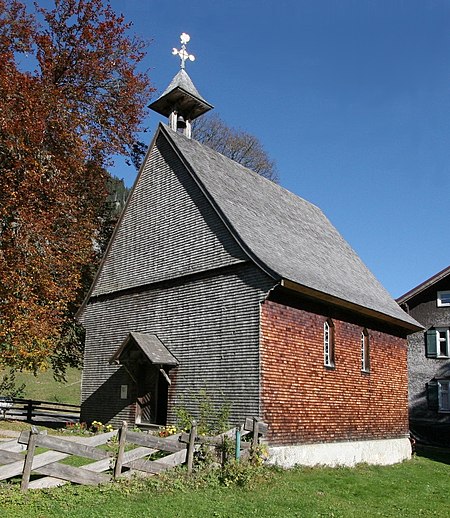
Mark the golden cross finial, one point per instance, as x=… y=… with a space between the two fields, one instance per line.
x=183 y=53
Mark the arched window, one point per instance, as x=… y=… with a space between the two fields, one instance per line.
x=328 y=343
x=365 y=351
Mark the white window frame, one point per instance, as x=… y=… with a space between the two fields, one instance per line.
x=440 y=339
x=443 y=294
x=444 y=395
x=365 y=351
x=328 y=344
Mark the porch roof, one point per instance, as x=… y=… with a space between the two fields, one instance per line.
x=152 y=347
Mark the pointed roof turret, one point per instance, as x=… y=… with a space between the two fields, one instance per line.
x=181 y=102
x=181 y=93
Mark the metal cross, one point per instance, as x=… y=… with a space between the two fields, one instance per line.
x=183 y=53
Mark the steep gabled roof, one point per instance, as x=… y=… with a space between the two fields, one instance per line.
x=424 y=285
x=286 y=235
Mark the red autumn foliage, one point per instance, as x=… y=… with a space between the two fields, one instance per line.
x=59 y=126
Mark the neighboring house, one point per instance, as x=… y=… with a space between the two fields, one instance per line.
x=217 y=279
x=429 y=358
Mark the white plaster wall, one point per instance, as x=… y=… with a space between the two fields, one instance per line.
x=383 y=452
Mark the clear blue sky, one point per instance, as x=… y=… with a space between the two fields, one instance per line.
x=350 y=97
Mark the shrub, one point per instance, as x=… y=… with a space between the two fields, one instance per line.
x=8 y=385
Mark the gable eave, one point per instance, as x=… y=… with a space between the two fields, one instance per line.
x=407 y=324
x=424 y=285
x=79 y=313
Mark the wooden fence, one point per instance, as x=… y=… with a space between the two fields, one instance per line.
x=120 y=460
x=32 y=410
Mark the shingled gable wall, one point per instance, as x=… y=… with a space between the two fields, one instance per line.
x=174 y=270
x=305 y=402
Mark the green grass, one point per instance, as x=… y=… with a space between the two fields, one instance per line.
x=7 y=425
x=43 y=387
x=417 y=488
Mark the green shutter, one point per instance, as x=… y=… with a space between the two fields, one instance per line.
x=432 y=395
x=431 y=343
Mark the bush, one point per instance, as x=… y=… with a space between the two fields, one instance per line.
x=210 y=421
x=8 y=386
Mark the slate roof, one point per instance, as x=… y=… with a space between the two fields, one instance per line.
x=150 y=345
x=424 y=285
x=286 y=235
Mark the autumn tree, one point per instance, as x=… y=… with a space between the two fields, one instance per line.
x=80 y=102
x=240 y=146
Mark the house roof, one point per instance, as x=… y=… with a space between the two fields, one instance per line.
x=424 y=285
x=182 y=94
x=287 y=236
x=152 y=347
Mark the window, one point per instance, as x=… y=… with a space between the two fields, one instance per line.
x=365 y=353
x=438 y=395
x=443 y=299
x=443 y=395
x=437 y=342
x=328 y=343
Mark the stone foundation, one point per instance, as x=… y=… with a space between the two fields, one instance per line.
x=382 y=452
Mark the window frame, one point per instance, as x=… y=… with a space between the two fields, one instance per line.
x=433 y=341
x=328 y=344
x=440 y=295
x=439 y=340
x=441 y=407
x=365 y=351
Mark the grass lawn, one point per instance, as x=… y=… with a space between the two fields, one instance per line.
x=44 y=388
x=417 y=488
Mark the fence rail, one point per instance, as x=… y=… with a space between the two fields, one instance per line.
x=109 y=464
x=30 y=410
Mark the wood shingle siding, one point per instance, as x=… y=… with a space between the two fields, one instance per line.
x=169 y=230
x=304 y=402
x=209 y=322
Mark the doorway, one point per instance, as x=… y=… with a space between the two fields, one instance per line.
x=152 y=394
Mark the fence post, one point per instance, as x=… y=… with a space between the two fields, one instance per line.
x=29 y=459
x=255 y=440
x=191 y=446
x=224 y=451
x=29 y=410
x=237 y=453
x=122 y=441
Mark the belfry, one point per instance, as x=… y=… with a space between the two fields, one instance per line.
x=181 y=102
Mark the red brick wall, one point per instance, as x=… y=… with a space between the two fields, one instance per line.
x=302 y=401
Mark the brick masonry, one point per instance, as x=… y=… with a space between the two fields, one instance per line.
x=305 y=402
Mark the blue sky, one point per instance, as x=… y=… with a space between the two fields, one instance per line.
x=350 y=97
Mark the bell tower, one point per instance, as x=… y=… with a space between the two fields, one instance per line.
x=181 y=101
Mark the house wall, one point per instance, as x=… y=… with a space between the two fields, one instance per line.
x=209 y=322
x=305 y=402
x=423 y=307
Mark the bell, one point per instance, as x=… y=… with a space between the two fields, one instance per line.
x=181 y=123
